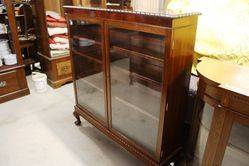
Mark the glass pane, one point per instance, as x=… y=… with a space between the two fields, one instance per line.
x=238 y=146
x=205 y=124
x=237 y=151
x=136 y=66
x=87 y=57
x=6 y=38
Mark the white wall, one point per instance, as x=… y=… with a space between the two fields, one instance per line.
x=148 y=5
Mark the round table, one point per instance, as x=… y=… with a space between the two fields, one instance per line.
x=224 y=86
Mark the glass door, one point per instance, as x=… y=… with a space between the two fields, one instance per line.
x=136 y=62
x=88 y=60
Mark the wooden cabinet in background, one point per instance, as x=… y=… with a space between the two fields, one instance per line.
x=25 y=16
x=131 y=74
x=57 y=73
x=13 y=83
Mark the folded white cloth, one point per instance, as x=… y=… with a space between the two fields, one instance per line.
x=59 y=46
x=56 y=53
x=57 y=31
x=53 y=14
x=60 y=40
x=3 y=29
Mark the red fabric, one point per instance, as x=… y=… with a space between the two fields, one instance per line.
x=57 y=24
x=61 y=36
x=51 y=19
x=62 y=20
x=51 y=41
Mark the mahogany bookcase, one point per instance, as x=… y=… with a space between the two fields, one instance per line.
x=131 y=74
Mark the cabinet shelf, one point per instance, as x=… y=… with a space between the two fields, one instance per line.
x=29 y=61
x=3 y=35
x=88 y=36
x=5 y=14
x=156 y=85
x=78 y=37
x=89 y=55
x=20 y=15
x=137 y=51
x=25 y=44
x=6 y=68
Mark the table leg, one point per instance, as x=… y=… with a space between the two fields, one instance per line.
x=218 y=137
x=193 y=136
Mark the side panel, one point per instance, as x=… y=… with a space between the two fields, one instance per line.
x=179 y=71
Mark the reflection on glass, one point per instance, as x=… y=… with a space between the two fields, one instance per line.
x=205 y=123
x=238 y=146
x=87 y=57
x=136 y=64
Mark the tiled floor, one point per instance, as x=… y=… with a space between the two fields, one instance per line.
x=38 y=130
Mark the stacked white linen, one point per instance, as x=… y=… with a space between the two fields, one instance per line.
x=57 y=31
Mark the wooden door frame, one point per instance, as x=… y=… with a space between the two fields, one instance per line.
x=101 y=23
x=157 y=30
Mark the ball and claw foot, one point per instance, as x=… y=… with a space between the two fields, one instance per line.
x=77 y=122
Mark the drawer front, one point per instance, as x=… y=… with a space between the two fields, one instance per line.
x=64 y=68
x=8 y=82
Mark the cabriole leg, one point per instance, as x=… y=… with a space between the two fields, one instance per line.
x=77 y=122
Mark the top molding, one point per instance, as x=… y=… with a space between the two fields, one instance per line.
x=166 y=13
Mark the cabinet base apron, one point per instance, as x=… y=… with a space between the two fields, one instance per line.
x=59 y=83
x=58 y=70
x=13 y=84
x=78 y=112
x=14 y=95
